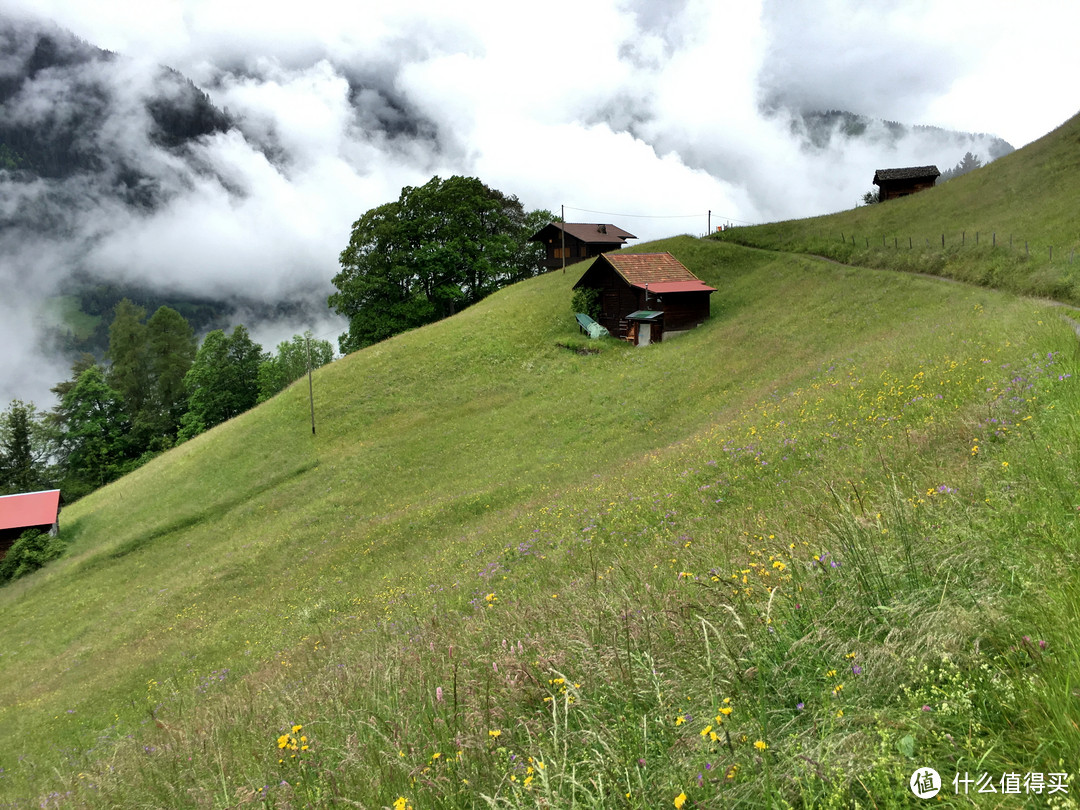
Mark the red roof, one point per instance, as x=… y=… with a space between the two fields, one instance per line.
x=677 y=286
x=29 y=509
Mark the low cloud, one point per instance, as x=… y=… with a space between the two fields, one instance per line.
x=630 y=107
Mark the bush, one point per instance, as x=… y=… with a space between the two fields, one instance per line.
x=586 y=300
x=30 y=552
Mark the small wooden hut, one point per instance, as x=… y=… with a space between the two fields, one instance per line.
x=582 y=240
x=894 y=183
x=646 y=288
x=29 y=510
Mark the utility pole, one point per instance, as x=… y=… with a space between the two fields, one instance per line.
x=311 y=390
x=562 y=237
x=708 y=229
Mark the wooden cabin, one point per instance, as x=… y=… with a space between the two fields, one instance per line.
x=646 y=288
x=894 y=183
x=582 y=240
x=29 y=510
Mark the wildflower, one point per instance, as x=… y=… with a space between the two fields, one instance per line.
x=856 y=669
x=705 y=731
x=680 y=720
x=731 y=771
x=438 y=694
x=800 y=705
x=680 y=800
x=494 y=733
x=725 y=710
x=761 y=745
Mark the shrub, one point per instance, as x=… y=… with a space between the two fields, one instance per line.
x=30 y=552
x=586 y=300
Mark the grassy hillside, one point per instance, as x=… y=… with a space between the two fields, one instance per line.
x=838 y=510
x=999 y=224
x=783 y=560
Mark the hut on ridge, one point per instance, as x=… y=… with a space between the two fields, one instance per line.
x=644 y=296
x=893 y=183
x=581 y=240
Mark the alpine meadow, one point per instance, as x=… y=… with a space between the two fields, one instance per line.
x=784 y=560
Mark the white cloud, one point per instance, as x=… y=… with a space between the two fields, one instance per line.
x=624 y=106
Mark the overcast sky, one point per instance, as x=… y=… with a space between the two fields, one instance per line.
x=621 y=107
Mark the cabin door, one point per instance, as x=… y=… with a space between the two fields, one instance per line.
x=644 y=333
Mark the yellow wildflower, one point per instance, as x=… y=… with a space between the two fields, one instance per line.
x=680 y=800
x=761 y=745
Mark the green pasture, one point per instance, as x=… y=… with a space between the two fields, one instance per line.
x=783 y=560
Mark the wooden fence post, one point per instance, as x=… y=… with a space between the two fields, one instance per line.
x=942 y=240
x=993 y=241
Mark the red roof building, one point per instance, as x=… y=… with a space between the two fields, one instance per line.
x=30 y=510
x=631 y=283
x=574 y=241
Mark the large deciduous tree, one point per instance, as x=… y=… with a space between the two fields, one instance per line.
x=222 y=382
x=440 y=247
x=95 y=442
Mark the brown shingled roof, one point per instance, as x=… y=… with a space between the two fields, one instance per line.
x=646 y=268
x=909 y=173
x=600 y=233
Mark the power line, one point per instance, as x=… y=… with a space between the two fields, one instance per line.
x=637 y=216
x=658 y=216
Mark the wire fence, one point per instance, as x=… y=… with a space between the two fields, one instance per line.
x=964 y=240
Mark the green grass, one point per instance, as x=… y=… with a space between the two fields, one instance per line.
x=843 y=509
x=64 y=313
x=1000 y=225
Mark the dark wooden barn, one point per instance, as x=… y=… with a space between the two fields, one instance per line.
x=30 y=510
x=894 y=183
x=634 y=287
x=582 y=240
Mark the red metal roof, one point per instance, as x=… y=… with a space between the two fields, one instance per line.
x=29 y=509
x=676 y=286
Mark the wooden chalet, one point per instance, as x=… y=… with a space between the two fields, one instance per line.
x=582 y=240
x=646 y=295
x=894 y=183
x=29 y=510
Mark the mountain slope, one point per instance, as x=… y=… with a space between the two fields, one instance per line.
x=485 y=511
x=1010 y=224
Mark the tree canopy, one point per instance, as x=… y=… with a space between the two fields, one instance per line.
x=439 y=248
